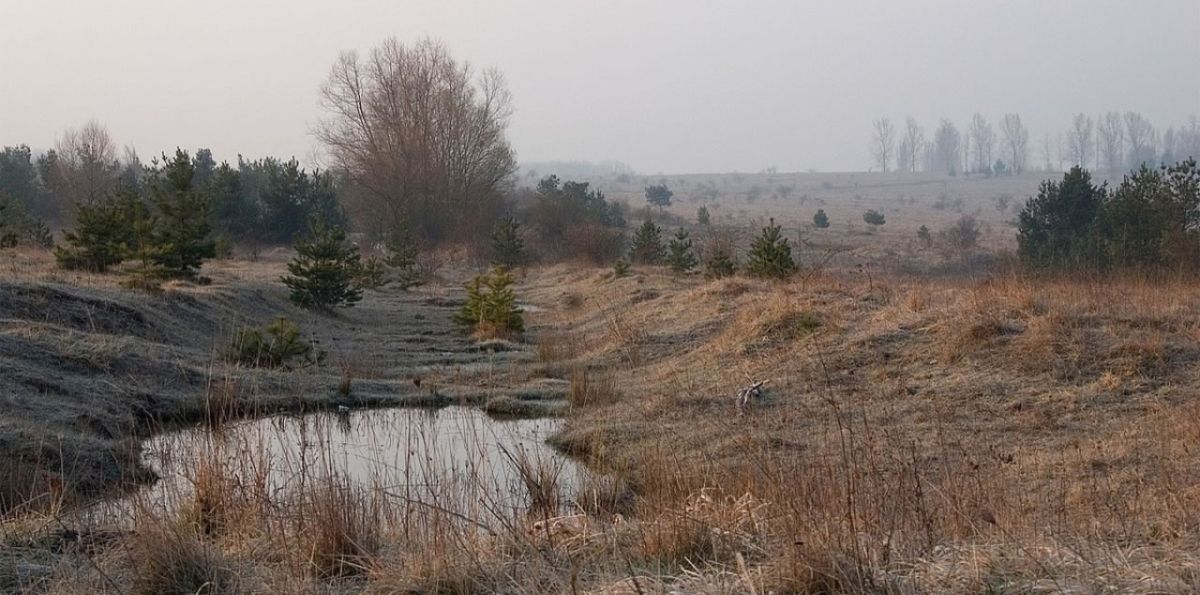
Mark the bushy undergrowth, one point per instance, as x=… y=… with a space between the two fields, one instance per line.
x=278 y=344
x=491 y=308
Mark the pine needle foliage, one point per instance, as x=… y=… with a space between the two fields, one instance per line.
x=491 y=308
x=17 y=227
x=771 y=256
x=680 y=255
x=146 y=274
x=647 y=247
x=183 y=234
x=508 y=249
x=621 y=268
x=325 y=272
x=103 y=234
x=874 y=218
x=719 y=263
x=820 y=219
x=273 y=346
x=403 y=253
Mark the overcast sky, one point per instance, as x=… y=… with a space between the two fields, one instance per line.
x=670 y=87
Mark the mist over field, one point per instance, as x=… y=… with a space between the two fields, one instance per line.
x=378 y=297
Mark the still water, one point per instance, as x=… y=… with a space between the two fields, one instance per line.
x=455 y=457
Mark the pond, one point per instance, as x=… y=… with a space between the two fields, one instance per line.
x=454 y=458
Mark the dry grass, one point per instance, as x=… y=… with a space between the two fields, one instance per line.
x=339 y=528
x=1006 y=435
x=905 y=418
x=603 y=495
x=592 y=388
x=170 y=560
x=541 y=479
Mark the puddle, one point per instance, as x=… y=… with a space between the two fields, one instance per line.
x=452 y=456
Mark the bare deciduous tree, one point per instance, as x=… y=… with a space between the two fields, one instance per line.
x=422 y=139
x=1051 y=149
x=1111 y=141
x=911 y=145
x=1141 y=139
x=1079 y=140
x=983 y=141
x=883 y=142
x=87 y=165
x=1016 y=142
x=1189 y=139
x=945 y=154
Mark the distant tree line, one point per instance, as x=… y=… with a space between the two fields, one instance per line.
x=255 y=201
x=1112 y=142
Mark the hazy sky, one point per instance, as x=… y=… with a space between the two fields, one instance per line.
x=671 y=87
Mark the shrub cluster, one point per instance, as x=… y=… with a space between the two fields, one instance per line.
x=569 y=220
x=17 y=227
x=169 y=235
x=491 y=308
x=272 y=346
x=1151 y=220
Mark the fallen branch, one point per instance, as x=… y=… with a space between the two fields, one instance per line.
x=754 y=391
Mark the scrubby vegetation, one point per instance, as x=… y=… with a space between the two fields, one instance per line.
x=646 y=246
x=403 y=253
x=874 y=218
x=956 y=402
x=1149 y=221
x=508 y=249
x=820 y=219
x=679 y=249
x=491 y=308
x=274 y=345
x=771 y=256
x=570 y=220
x=103 y=234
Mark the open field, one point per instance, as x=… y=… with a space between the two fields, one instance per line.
x=908 y=201
x=917 y=435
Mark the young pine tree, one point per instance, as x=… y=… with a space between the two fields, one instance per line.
x=874 y=218
x=621 y=268
x=491 y=307
x=680 y=255
x=719 y=263
x=146 y=274
x=403 y=251
x=770 y=255
x=508 y=249
x=702 y=216
x=325 y=272
x=647 y=247
x=820 y=219
x=183 y=233
x=925 y=237
x=103 y=234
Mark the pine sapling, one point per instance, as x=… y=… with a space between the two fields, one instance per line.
x=647 y=247
x=508 y=249
x=325 y=271
x=770 y=255
x=680 y=255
